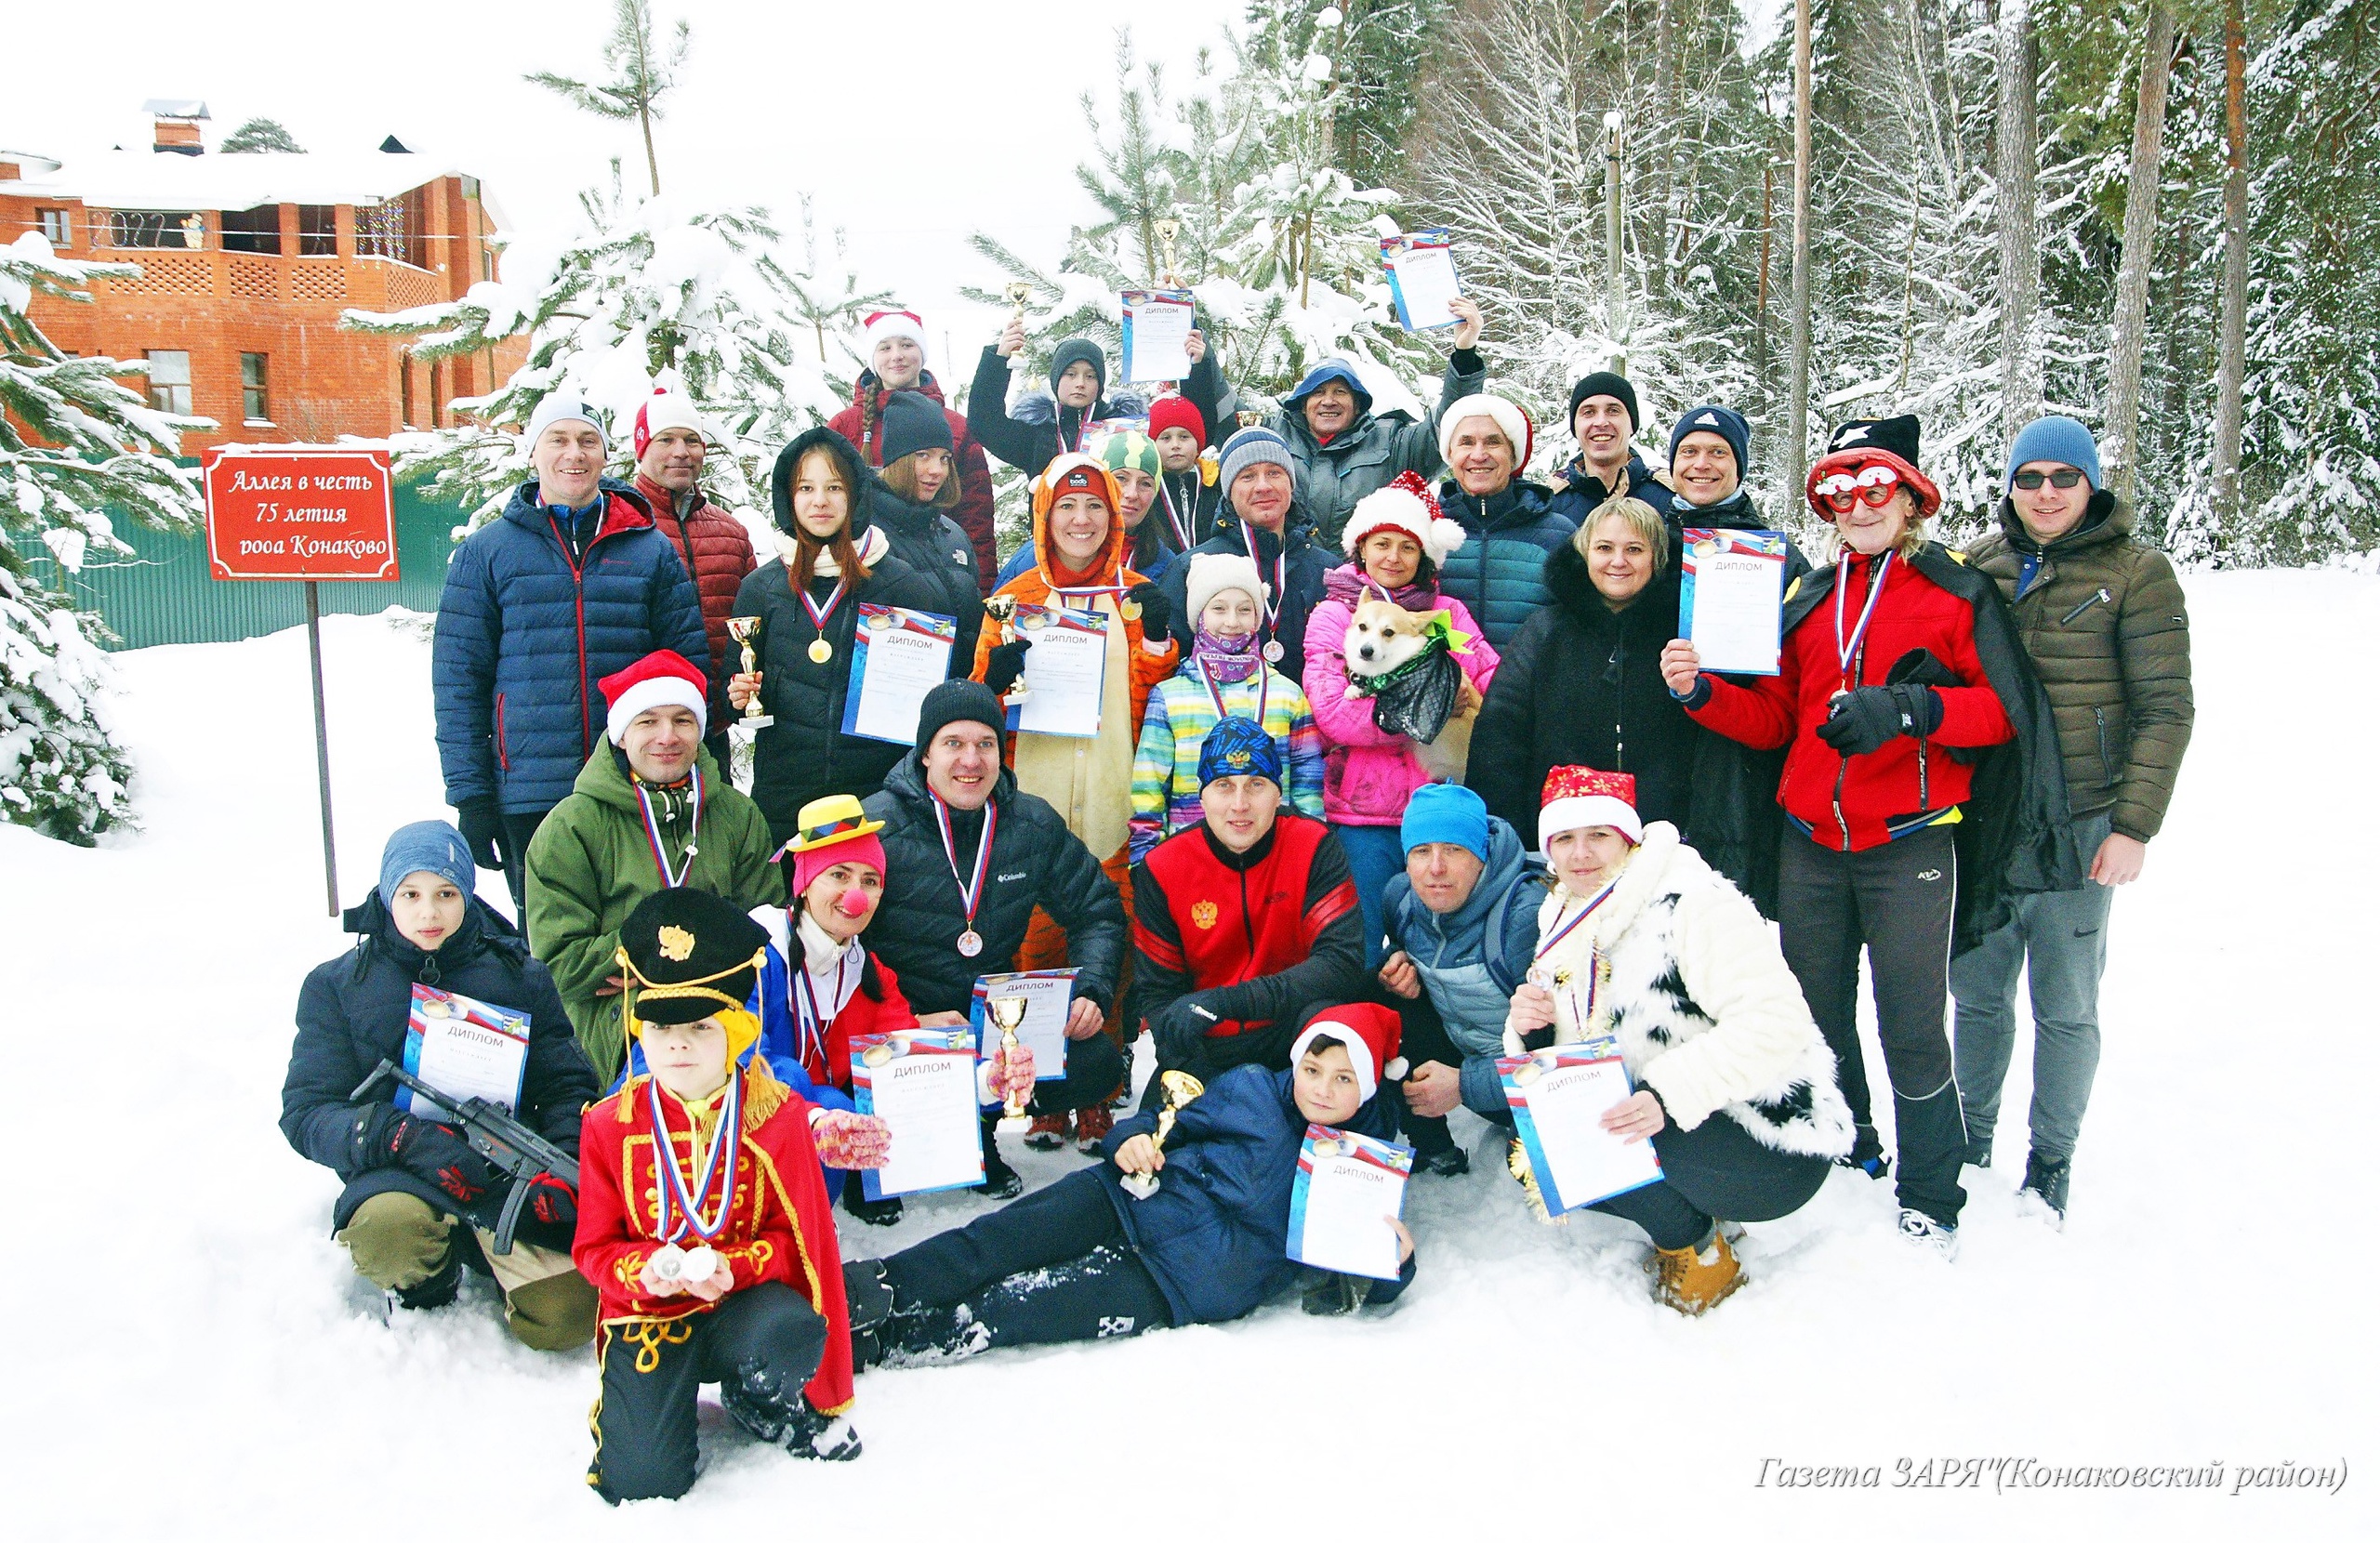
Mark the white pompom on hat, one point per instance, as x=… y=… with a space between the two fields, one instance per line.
x=1406 y=504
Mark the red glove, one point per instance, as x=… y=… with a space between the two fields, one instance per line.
x=849 y=1140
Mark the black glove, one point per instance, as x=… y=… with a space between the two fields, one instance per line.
x=1181 y=1028
x=1157 y=612
x=550 y=1220
x=1005 y=665
x=1871 y=717
x=482 y=826
x=438 y=1155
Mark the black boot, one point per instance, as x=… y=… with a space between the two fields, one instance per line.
x=867 y=1300
x=875 y=1213
x=2043 y=1191
x=1000 y=1182
x=1332 y=1295
x=929 y=1335
x=439 y=1288
x=1434 y=1151
x=782 y=1417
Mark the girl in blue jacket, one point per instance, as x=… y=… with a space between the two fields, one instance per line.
x=1084 y=1260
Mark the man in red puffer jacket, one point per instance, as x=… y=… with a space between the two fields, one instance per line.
x=893 y=343
x=668 y=435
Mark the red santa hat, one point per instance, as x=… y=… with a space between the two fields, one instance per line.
x=1577 y=796
x=881 y=325
x=661 y=679
x=1372 y=1034
x=1406 y=505
x=663 y=410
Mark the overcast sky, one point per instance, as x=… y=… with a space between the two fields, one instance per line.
x=911 y=124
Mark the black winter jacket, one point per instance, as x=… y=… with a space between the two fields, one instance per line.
x=1302 y=570
x=1036 y=860
x=1734 y=512
x=351 y=1014
x=1038 y=429
x=1578 y=495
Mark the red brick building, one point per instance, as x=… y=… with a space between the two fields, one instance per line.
x=247 y=262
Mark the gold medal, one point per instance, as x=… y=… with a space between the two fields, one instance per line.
x=821 y=651
x=1131 y=610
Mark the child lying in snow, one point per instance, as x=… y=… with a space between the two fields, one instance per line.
x=1084 y=1260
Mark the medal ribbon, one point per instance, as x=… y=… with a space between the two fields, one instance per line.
x=1270 y=605
x=971 y=891
x=1845 y=653
x=1173 y=518
x=653 y=829
x=1264 y=691
x=673 y=1183
x=815 y=1025
x=1570 y=925
x=818 y=614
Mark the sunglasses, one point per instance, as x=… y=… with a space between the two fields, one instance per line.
x=2028 y=481
x=1874 y=485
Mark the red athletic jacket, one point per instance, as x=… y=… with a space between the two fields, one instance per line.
x=1852 y=802
x=973 y=511
x=1279 y=925
x=781 y=1226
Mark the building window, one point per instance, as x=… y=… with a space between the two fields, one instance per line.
x=317 y=231
x=254 y=403
x=169 y=381
x=256 y=230
x=56 y=226
x=155 y=228
x=396 y=229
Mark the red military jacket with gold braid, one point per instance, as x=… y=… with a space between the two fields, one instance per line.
x=780 y=1226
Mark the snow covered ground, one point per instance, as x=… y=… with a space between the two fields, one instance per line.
x=191 y=1357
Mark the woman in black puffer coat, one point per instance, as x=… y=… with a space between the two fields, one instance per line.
x=825 y=501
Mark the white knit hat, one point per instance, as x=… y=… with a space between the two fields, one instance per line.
x=881 y=325
x=564 y=407
x=1508 y=415
x=1406 y=504
x=1212 y=573
x=662 y=411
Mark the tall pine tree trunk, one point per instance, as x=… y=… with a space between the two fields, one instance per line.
x=2124 y=343
x=1797 y=407
x=2230 y=366
x=2020 y=259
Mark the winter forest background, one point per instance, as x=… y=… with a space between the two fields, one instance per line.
x=2153 y=215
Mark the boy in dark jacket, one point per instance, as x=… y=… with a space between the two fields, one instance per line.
x=1085 y=1258
x=420 y=1203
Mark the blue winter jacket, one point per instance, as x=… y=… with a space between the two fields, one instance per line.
x=1498 y=571
x=525 y=631
x=1216 y=1234
x=1472 y=959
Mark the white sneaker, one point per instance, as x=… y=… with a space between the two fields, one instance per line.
x=1925 y=1232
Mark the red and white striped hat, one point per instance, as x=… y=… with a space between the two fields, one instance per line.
x=665 y=409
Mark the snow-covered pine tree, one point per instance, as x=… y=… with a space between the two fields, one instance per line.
x=259 y=136
x=648 y=293
x=75 y=443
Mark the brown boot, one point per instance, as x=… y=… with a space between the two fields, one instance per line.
x=1696 y=1280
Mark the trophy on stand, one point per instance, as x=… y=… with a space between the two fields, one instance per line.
x=1180 y=1089
x=1018 y=294
x=1008 y=1013
x=1166 y=231
x=1002 y=608
x=743 y=734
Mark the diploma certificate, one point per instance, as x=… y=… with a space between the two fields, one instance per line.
x=897 y=656
x=922 y=1084
x=1731 y=599
x=1558 y=1098
x=1156 y=334
x=1066 y=671
x=464 y=1048
x=1347 y=1188
x=1421 y=278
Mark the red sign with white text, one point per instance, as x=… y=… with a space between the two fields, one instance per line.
x=300 y=514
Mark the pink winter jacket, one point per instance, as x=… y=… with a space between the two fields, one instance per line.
x=1368 y=776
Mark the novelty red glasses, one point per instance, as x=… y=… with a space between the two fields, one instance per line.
x=1872 y=485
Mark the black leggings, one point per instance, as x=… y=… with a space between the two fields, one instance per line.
x=1717 y=1169
x=1050 y=1268
x=761 y=1344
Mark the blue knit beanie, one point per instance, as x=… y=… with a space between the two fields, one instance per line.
x=1446 y=812
x=2053 y=439
x=1238 y=747
x=1256 y=447
x=1727 y=423
x=426 y=845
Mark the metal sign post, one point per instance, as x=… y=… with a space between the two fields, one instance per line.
x=297 y=512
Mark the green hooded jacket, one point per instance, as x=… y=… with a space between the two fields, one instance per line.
x=590 y=864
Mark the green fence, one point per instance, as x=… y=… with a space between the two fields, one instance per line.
x=163 y=594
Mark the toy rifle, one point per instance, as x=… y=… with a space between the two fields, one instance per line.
x=511 y=1147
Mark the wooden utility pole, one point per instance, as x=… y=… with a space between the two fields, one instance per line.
x=2126 y=335
x=1797 y=407
x=2231 y=368
x=2020 y=259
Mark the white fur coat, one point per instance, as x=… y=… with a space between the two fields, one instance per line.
x=1704 y=1009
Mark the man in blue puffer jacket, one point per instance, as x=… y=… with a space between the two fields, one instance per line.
x=573 y=582
x=1086 y=1259
x=1508 y=523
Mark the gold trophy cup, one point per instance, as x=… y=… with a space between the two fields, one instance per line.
x=1180 y=1089
x=746 y=630
x=1018 y=294
x=1008 y=1013
x=1002 y=608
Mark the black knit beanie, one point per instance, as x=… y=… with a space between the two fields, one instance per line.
x=1077 y=351
x=913 y=422
x=1603 y=383
x=958 y=702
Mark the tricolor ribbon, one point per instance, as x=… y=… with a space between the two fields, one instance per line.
x=672 y=879
x=1271 y=600
x=673 y=1183
x=1214 y=693
x=971 y=891
x=1173 y=518
x=818 y=614
x=1565 y=929
x=815 y=1025
x=1845 y=653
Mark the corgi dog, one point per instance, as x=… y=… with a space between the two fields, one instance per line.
x=1383 y=635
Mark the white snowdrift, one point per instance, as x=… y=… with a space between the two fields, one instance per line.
x=189 y=1357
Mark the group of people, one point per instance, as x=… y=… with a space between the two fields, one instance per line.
x=1403 y=769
